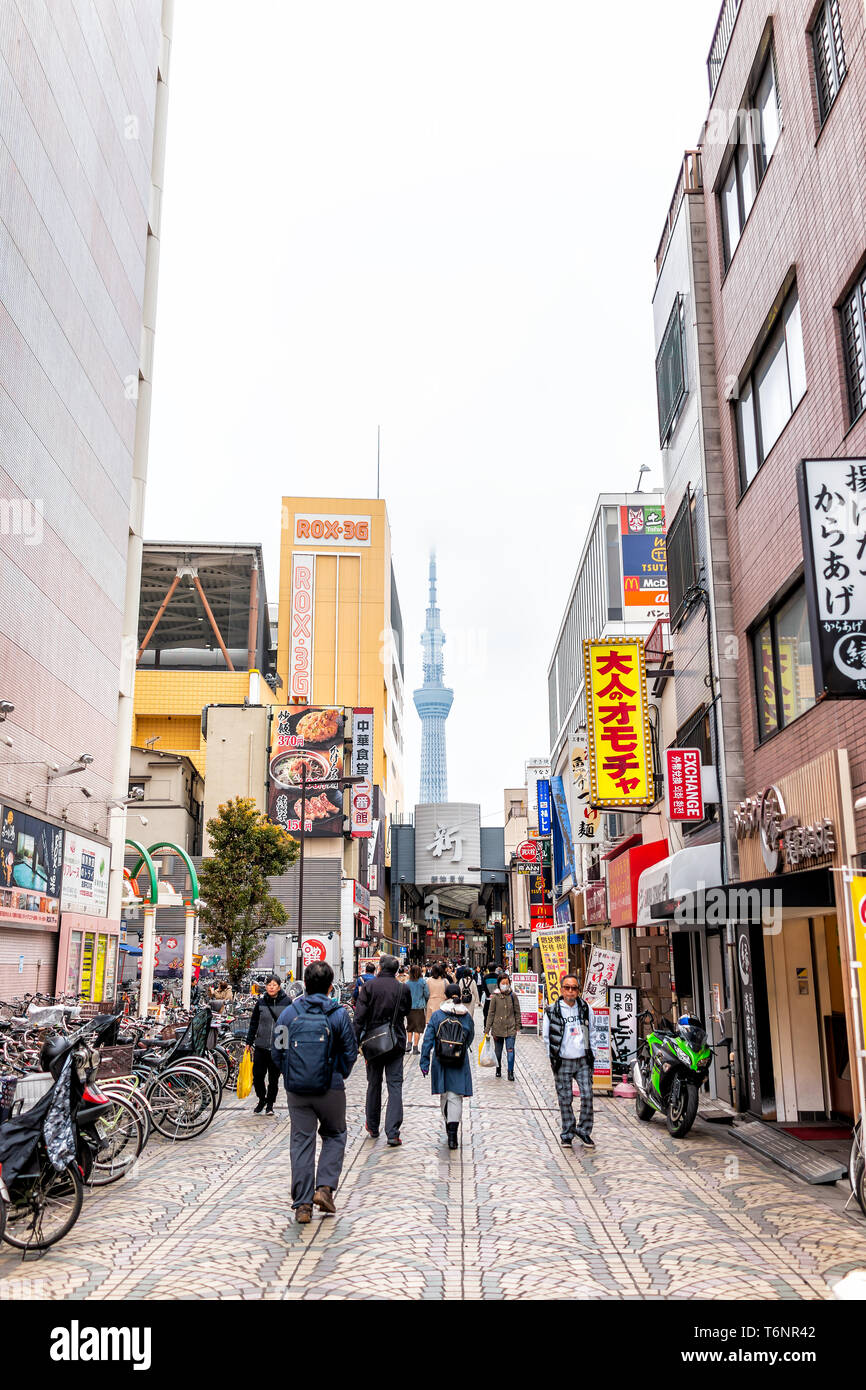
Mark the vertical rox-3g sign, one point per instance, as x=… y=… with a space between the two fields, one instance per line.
x=301 y=633
x=620 y=757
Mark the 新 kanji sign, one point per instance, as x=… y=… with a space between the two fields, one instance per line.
x=685 y=798
x=832 y=496
x=620 y=761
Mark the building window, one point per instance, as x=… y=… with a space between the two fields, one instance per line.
x=760 y=124
x=695 y=733
x=772 y=390
x=782 y=649
x=681 y=558
x=671 y=385
x=829 y=55
x=853 y=322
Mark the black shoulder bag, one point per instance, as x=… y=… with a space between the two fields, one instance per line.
x=381 y=1041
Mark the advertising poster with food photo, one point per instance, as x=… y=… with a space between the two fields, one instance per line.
x=311 y=737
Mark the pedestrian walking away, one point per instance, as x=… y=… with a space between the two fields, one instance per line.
x=260 y=1035
x=565 y=1032
x=382 y=1002
x=503 y=1023
x=315 y=1049
x=416 y=1020
x=446 y=1056
x=489 y=983
x=369 y=974
x=436 y=985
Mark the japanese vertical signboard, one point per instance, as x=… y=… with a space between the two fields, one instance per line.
x=543 y=786
x=685 y=797
x=620 y=755
x=858 y=902
x=554 y=959
x=362 y=766
x=308 y=738
x=601 y=974
x=540 y=899
x=599 y=1042
x=560 y=803
x=644 y=563
x=301 y=630
x=525 y=987
x=832 y=495
x=622 y=1002
x=587 y=818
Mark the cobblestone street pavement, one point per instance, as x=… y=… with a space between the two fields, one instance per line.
x=510 y=1215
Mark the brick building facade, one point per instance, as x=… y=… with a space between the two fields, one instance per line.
x=782 y=156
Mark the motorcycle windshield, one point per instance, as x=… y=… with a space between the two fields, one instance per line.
x=694 y=1035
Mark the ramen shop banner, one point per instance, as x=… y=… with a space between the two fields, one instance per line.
x=620 y=758
x=306 y=739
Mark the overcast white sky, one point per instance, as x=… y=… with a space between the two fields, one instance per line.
x=441 y=219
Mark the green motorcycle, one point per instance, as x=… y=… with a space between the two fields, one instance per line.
x=670 y=1069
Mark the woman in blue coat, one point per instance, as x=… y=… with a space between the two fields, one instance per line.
x=451 y=1081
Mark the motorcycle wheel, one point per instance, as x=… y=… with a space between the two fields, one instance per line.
x=642 y=1108
x=681 y=1116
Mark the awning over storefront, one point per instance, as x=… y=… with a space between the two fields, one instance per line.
x=664 y=884
x=809 y=893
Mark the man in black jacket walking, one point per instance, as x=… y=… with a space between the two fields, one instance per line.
x=260 y=1035
x=384 y=1000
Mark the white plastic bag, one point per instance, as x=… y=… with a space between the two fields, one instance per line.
x=487 y=1052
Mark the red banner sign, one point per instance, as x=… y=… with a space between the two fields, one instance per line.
x=685 y=799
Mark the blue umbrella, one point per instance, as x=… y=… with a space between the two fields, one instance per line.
x=132 y=950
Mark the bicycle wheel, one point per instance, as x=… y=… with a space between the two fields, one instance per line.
x=205 y=1067
x=857 y=1166
x=234 y=1050
x=222 y=1062
x=136 y=1097
x=182 y=1103
x=42 y=1210
x=120 y=1142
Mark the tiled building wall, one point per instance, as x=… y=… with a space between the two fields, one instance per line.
x=810 y=216
x=77 y=96
x=170 y=703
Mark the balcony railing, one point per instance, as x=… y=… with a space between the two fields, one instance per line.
x=721 y=39
x=658 y=644
x=689 y=181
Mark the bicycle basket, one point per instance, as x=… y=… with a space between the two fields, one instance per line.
x=114 y=1061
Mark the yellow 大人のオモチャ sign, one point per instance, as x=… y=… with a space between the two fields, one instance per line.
x=620 y=757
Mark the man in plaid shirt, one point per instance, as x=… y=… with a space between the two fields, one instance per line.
x=565 y=1031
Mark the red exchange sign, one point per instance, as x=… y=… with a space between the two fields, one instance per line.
x=685 y=798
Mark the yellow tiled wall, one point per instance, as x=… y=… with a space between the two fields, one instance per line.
x=170 y=704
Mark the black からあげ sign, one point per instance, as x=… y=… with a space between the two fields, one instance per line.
x=832 y=494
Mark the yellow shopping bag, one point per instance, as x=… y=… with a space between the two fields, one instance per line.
x=245 y=1075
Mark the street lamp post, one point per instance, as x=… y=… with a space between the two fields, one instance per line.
x=340 y=782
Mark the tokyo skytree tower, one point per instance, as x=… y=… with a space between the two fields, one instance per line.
x=433 y=703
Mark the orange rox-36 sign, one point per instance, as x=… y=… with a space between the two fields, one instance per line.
x=620 y=759
x=331 y=529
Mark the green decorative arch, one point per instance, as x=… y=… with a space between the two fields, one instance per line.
x=151 y=869
x=182 y=854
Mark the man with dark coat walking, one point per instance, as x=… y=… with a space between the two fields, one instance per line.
x=384 y=1000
